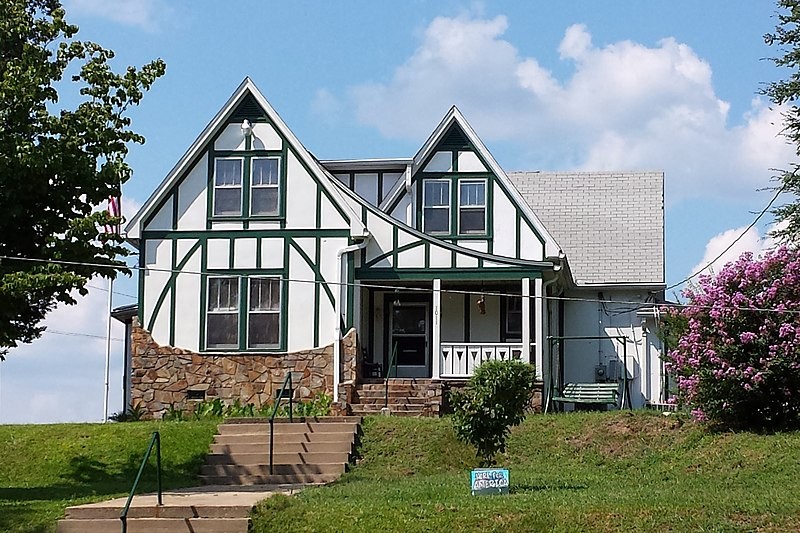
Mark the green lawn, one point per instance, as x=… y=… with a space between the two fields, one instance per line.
x=616 y=471
x=44 y=469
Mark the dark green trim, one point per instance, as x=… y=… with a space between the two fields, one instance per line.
x=318 y=279
x=209 y=191
x=251 y=233
x=380 y=188
x=175 y=208
x=231 y=254
x=258 y=253
x=141 y=273
x=170 y=285
x=517 y=233
x=371 y=323
x=427 y=255
x=284 y=335
x=467 y=316
x=495 y=273
x=350 y=291
x=393 y=253
x=203 y=296
x=173 y=294
x=246 y=153
x=317 y=310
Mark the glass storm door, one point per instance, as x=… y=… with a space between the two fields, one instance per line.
x=409 y=331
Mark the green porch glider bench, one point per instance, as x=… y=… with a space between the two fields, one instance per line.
x=589 y=393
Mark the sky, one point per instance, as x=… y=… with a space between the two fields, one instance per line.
x=577 y=85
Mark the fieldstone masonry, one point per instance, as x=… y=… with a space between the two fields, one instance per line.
x=162 y=376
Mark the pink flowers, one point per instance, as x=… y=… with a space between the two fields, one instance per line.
x=737 y=359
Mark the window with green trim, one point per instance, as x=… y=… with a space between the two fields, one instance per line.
x=228 y=186
x=436 y=206
x=222 y=313
x=471 y=206
x=264 y=313
x=264 y=186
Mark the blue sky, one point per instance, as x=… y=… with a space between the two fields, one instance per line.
x=586 y=85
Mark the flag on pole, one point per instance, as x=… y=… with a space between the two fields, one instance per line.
x=114 y=211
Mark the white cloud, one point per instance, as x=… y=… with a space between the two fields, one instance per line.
x=624 y=106
x=750 y=241
x=144 y=14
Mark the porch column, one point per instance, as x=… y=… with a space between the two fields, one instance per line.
x=526 y=320
x=539 y=322
x=436 y=349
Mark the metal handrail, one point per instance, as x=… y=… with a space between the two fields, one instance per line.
x=392 y=363
x=287 y=379
x=155 y=440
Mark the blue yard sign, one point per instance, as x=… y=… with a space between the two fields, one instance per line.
x=489 y=481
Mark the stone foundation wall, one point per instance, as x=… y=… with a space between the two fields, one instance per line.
x=162 y=376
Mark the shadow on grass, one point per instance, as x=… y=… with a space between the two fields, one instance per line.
x=525 y=487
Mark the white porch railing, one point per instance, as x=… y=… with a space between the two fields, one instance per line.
x=460 y=359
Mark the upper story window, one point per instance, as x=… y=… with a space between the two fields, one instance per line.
x=436 y=206
x=472 y=206
x=264 y=188
x=228 y=186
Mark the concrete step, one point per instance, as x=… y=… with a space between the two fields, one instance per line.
x=285 y=420
x=256 y=438
x=238 y=470
x=84 y=512
x=288 y=428
x=286 y=458
x=155 y=525
x=276 y=479
x=283 y=447
x=392 y=400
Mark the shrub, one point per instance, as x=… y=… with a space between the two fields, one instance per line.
x=494 y=400
x=737 y=362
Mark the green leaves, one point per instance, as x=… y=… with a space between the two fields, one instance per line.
x=495 y=400
x=57 y=167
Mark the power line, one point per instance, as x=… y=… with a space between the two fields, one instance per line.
x=737 y=239
x=113 y=292
x=407 y=288
x=77 y=334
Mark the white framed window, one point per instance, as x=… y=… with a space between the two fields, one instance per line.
x=471 y=206
x=228 y=186
x=222 y=313
x=436 y=206
x=264 y=313
x=264 y=186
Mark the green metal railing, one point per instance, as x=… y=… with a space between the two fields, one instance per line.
x=281 y=394
x=155 y=440
x=392 y=364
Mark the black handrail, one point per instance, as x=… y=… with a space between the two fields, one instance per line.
x=392 y=363
x=154 y=440
x=287 y=379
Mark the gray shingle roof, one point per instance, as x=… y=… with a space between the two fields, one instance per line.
x=609 y=224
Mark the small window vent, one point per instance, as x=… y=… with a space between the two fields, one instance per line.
x=454 y=139
x=196 y=395
x=248 y=109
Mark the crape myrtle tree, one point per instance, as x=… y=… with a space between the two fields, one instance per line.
x=737 y=360
x=57 y=166
x=785 y=93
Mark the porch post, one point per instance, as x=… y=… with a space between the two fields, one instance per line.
x=526 y=320
x=539 y=322
x=436 y=349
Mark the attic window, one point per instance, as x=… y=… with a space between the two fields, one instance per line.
x=228 y=187
x=436 y=206
x=264 y=186
x=472 y=206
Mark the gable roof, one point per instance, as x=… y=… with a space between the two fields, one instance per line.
x=443 y=132
x=611 y=224
x=246 y=92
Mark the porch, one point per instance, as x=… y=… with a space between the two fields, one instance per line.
x=444 y=329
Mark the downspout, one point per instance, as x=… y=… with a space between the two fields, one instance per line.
x=337 y=309
x=549 y=382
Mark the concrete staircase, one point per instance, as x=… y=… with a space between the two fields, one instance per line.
x=407 y=397
x=312 y=451
x=236 y=474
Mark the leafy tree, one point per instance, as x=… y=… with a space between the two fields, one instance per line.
x=786 y=93
x=737 y=362
x=57 y=165
x=494 y=400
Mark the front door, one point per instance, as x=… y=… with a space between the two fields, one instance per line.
x=408 y=328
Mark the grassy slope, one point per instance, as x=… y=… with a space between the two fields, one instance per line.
x=49 y=467
x=580 y=472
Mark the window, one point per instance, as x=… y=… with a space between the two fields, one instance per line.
x=513 y=323
x=228 y=187
x=222 y=318
x=264 y=313
x=264 y=189
x=472 y=206
x=436 y=206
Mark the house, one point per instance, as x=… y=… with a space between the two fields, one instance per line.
x=257 y=259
